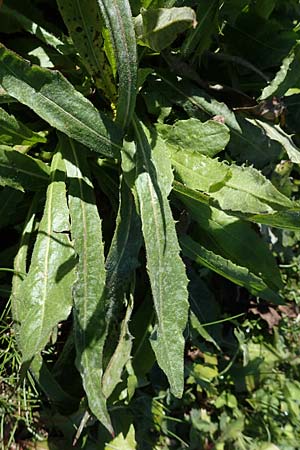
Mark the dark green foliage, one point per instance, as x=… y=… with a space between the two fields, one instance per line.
x=149 y=211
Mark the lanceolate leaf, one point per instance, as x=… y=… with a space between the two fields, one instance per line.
x=46 y=291
x=21 y=171
x=13 y=132
x=17 y=304
x=165 y=267
x=85 y=27
x=120 y=265
x=54 y=99
x=19 y=310
x=89 y=289
x=226 y=268
x=276 y=133
x=36 y=29
x=118 y=20
x=199 y=39
x=287 y=77
x=234 y=188
x=9 y=201
x=120 y=357
x=234 y=239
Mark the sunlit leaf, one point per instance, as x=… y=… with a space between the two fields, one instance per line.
x=54 y=99
x=46 y=291
x=165 y=268
x=118 y=20
x=237 y=274
x=90 y=302
x=22 y=171
x=158 y=28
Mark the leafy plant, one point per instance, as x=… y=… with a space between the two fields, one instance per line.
x=138 y=192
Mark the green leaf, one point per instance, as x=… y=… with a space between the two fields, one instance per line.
x=165 y=267
x=54 y=99
x=119 y=22
x=85 y=27
x=120 y=357
x=121 y=262
x=237 y=274
x=287 y=77
x=235 y=240
x=248 y=142
x=208 y=138
x=288 y=219
x=20 y=262
x=199 y=39
x=276 y=133
x=122 y=442
x=158 y=28
x=9 y=200
x=13 y=132
x=89 y=288
x=46 y=291
x=36 y=29
x=234 y=188
x=21 y=171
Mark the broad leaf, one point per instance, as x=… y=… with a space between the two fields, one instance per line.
x=89 y=289
x=158 y=28
x=208 y=138
x=13 y=132
x=248 y=142
x=237 y=274
x=54 y=99
x=165 y=268
x=21 y=171
x=235 y=188
x=288 y=219
x=46 y=291
x=118 y=19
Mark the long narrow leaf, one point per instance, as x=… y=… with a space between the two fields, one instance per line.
x=118 y=20
x=89 y=288
x=13 y=132
x=54 y=99
x=21 y=171
x=238 y=274
x=85 y=27
x=46 y=291
x=165 y=267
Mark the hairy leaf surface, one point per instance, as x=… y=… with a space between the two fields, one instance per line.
x=85 y=27
x=118 y=19
x=54 y=99
x=21 y=171
x=13 y=132
x=237 y=274
x=89 y=288
x=166 y=270
x=208 y=138
x=46 y=291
